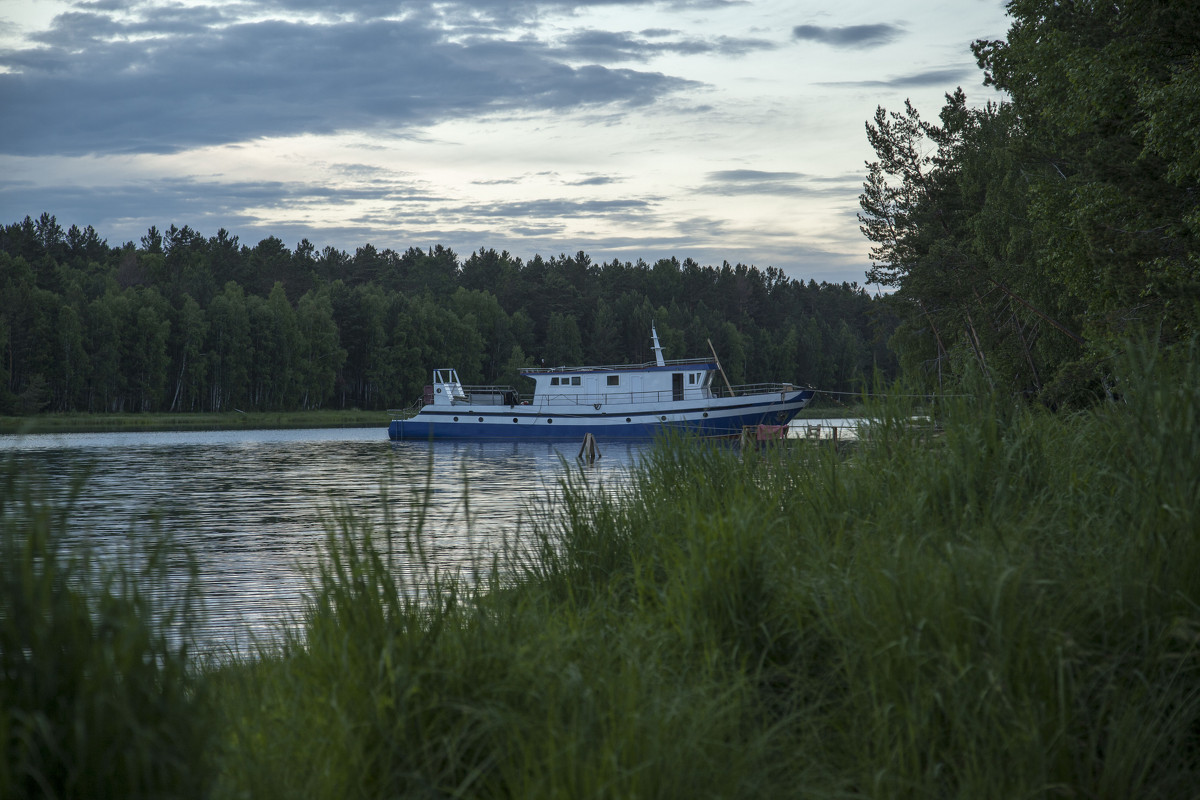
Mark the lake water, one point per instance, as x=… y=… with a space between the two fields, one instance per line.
x=250 y=505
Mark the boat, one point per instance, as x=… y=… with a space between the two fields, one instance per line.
x=630 y=401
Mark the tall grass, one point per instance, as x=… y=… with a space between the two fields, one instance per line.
x=96 y=696
x=1007 y=608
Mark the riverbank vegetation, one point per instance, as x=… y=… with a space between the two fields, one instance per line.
x=1027 y=236
x=199 y=421
x=1006 y=607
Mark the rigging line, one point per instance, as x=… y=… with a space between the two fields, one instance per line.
x=888 y=394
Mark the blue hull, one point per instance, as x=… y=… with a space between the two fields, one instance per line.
x=515 y=424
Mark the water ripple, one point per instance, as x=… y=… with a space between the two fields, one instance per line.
x=251 y=505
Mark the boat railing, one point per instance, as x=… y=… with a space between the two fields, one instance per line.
x=500 y=395
x=753 y=388
x=663 y=396
x=671 y=362
x=492 y=395
x=622 y=398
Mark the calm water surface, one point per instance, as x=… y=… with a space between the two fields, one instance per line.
x=250 y=505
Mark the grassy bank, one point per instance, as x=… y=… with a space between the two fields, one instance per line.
x=1010 y=609
x=230 y=420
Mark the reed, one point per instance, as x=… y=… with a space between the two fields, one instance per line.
x=1002 y=605
x=96 y=696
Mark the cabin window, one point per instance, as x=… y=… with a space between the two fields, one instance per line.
x=692 y=378
x=614 y=380
x=576 y=381
x=554 y=381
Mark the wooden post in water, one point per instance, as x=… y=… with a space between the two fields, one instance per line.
x=589 y=451
x=746 y=439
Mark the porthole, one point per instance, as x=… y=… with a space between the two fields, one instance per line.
x=481 y=419
x=627 y=419
x=514 y=419
x=456 y=419
x=549 y=422
x=664 y=419
x=706 y=415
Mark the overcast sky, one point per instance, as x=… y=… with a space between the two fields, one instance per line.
x=719 y=131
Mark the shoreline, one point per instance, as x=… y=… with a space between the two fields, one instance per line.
x=250 y=420
x=226 y=420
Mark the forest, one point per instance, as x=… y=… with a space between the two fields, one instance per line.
x=187 y=322
x=1027 y=240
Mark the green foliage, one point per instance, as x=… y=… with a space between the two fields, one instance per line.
x=1034 y=235
x=564 y=346
x=188 y=323
x=320 y=353
x=97 y=696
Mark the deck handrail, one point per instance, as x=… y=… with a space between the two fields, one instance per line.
x=677 y=362
x=628 y=397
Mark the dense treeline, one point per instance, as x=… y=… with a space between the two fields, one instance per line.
x=185 y=322
x=1028 y=238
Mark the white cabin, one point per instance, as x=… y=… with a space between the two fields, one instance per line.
x=646 y=383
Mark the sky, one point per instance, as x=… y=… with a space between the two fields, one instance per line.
x=717 y=130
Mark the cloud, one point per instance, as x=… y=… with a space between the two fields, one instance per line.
x=587 y=180
x=947 y=76
x=529 y=210
x=596 y=180
x=614 y=46
x=179 y=78
x=757 y=182
x=752 y=176
x=539 y=230
x=420 y=217
x=198 y=202
x=848 y=36
x=390 y=204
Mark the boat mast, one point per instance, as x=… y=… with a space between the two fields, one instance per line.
x=658 y=356
x=720 y=368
